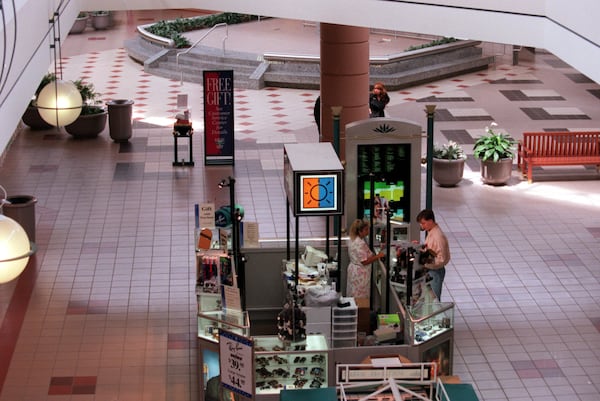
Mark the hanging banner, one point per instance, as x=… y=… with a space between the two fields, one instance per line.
x=218 y=117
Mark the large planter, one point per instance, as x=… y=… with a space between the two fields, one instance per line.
x=31 y=117
x=87 y=126
x=101 y=20
x=79 y=25
x=496 y=173
x=448 y=173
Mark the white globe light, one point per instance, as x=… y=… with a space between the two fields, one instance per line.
x=59 y=103
x=14 y=249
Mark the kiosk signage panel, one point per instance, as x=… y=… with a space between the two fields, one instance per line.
x=313 y=178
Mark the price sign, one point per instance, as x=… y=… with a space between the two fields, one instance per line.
x=235 y=355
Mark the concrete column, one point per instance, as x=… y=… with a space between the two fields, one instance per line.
x=344 y=77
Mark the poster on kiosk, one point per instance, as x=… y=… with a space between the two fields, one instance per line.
x=218 y=117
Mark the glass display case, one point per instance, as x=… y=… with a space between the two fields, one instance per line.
x=426 y=321
x=209 y=323
x=282 y=365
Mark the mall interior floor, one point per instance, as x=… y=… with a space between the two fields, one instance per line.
x=106 y=308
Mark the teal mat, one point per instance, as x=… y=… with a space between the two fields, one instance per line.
x=460 y=392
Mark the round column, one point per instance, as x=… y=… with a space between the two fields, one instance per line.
x=344 y=78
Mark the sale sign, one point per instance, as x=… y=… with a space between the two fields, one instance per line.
x=235 y=357
x=218 y=117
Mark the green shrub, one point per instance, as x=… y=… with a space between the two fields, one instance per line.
x=174 y=28
x=436 y=42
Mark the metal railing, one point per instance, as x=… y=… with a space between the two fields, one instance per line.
x=198 y=41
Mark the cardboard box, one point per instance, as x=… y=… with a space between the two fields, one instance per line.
x=364 y=315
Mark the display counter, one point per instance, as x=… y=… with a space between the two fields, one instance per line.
x=280 y=365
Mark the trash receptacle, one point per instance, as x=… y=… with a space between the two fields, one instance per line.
x=22 y=210
x=119 y=119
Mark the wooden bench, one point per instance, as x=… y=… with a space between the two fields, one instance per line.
x=557 y=149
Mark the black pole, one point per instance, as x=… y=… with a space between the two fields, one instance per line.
x=338 y=273
x=327 y=237
x=372 y=209
x=409 y=277
x=430 y=111
x=287 y=218
x=297 y=267
x=388 y=246
x=371 y=236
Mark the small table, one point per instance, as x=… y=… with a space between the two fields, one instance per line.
x=183 y=131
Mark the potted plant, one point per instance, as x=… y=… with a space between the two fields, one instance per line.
x=31 y=117
x=80 y=23
x=495 y=150
x=101 y=19
x=448 y=164
x=92 y=120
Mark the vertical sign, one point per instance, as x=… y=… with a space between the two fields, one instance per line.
x=218 y=117
x=235 y=353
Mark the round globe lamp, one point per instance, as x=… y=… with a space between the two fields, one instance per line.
x=15 y=249
x=59 y=103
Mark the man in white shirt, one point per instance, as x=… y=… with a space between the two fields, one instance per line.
x=436 y=241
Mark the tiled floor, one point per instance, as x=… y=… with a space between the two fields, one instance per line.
x=106 y=311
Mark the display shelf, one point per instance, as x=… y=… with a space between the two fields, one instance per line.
x=280 y=365
x=208 y=302
x=210 y=322
x=428 y=320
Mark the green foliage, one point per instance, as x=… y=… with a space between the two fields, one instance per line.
x=449 y=151
x=46 y=79
x=91 y=101
x=494 y=146
x=173 y=29
x=436 y=42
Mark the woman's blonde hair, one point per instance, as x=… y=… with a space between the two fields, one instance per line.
x=357 y=226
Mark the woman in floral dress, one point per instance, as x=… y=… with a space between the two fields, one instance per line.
x=358 y=281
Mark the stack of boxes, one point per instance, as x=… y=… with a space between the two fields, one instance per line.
x=344 y=323
x=339 y=324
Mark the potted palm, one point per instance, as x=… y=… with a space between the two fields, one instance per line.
x=92 y=120
x=495 y=150
x=31 y=117
x=448 y=164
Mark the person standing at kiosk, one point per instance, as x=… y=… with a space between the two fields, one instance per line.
x=358 y=281
x=437 y=243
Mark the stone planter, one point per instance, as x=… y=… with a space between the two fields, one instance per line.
x=496 y=173
x=79 y=25
x=448 y=173
x=101 y=20
x=87 y=126
x=33 y=120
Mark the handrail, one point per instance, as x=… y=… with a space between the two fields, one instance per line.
x=198 y=41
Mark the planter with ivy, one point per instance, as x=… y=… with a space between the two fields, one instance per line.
x=448 y=164
x=92 y=120
x=495 y=150
x=31 y=117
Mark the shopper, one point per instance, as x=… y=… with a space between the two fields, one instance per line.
x=437 y=243
x=358 y=280
x=378 y=99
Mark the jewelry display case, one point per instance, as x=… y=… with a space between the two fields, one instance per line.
x=209 y=323
x=426 y=321
x=280 y=365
